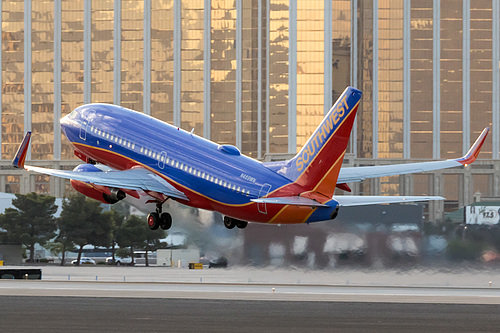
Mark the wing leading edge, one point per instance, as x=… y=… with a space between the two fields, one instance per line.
x=133 y=179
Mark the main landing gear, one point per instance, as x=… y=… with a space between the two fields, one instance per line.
x=159 y=220
x=230 y=223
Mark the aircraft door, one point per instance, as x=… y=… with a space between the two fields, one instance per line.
x=264 y=191
x=162 y=160
x=83 y=130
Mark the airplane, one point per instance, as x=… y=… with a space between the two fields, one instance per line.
x=132 y=156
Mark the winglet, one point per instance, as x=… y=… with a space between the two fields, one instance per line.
x=475 y=149
x=22 y=151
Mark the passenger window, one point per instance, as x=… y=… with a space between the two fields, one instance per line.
x=142 y=150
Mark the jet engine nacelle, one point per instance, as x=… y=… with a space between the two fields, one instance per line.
x=103 y=194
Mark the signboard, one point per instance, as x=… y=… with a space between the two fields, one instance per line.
x=488 y=215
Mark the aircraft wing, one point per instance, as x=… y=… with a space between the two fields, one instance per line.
x=134 y=179
x=357 y=174
x=361 y=200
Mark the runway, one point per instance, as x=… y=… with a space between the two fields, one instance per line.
x=248 y=291
x=84 y=314
x=104 y=299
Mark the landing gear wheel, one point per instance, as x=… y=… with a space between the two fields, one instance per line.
x=229 y=222
x=241 y=224
x=153 y=221
x=165 y=221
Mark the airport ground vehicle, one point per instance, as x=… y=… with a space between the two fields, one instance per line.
x=119 y=261
x=140 y=258
x=218 y=263
x=84 y=261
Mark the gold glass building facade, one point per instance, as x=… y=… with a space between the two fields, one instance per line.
x=257 y=74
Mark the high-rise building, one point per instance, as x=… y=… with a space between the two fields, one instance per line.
x=260 y=74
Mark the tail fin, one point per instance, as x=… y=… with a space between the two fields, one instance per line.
x=318 y=163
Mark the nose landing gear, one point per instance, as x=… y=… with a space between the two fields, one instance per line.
x=159 y=220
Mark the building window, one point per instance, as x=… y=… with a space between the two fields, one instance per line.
x=13 y=184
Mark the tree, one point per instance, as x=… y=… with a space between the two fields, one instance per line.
x=31 y=221
x=152 y=240
x=135 y=234
x=117 y=220
x=131 y=235
x=82 y=222
x=63 y=242
x=59 y=248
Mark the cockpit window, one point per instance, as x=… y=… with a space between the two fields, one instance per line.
x=73 y=114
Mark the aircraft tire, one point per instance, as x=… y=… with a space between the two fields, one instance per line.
x=334 y=214
x=153 y=221
x=165 y=221
x=229 y=222
x=241 y=224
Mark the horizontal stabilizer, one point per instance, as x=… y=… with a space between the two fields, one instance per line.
x=355 y=200
x=295 y=201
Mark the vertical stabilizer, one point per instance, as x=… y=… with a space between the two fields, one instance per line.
x=318 y=163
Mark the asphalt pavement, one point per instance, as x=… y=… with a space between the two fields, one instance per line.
x=89 y=314
x=158 y=299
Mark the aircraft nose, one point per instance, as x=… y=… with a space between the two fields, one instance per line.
x=67 y=122
x=64 y=121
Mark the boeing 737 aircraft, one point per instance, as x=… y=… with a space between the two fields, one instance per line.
x=130 y=155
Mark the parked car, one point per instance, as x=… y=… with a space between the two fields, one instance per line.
x=119 y=261
x=218 y=263
x=84 y=261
